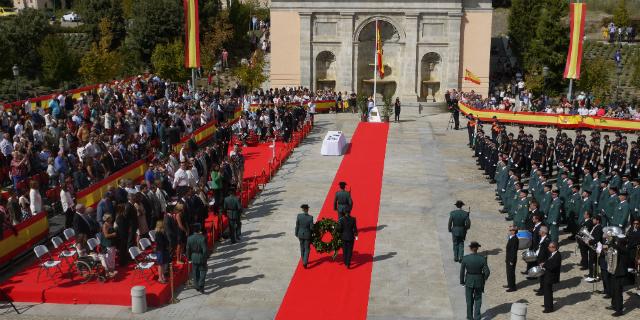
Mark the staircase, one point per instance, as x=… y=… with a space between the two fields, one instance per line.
x=267 y=71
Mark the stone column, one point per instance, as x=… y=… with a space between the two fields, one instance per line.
x=306 y=60
x=408 y=79
x=454 y=25
x=345 y=66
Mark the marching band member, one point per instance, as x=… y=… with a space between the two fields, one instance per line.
x=596 y=233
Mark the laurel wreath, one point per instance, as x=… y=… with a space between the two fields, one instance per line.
x=319 y=229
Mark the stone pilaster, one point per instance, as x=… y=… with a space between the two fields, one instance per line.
x=454 y=26
x=345 y=62
x=408 y=85
x=306 y=60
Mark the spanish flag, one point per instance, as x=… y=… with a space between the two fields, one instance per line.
x=577 y=17
x=379 y=52
x=469 y=76
x=192 y=34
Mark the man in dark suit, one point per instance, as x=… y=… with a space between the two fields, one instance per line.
x=512 y=258
x=535 y=238
x=542 y=253
x=81 y=227
x=619 y=275
x=349 y=232
x=304 y=229
x=596 y=233
x=342 y=201
x=551 y=275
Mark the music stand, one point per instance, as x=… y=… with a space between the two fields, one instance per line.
x=6 y=298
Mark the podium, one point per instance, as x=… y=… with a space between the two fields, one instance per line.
x=374 y=115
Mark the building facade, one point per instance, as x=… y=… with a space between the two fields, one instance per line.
x=39 y=4
x=427 y=45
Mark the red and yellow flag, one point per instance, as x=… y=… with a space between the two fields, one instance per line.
x=577 y=17
x=469 y=76
x=192 y=34
x=379 y=52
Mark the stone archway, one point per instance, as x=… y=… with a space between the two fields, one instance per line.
x=430 y=76
x=325 y=73
x=365 y=40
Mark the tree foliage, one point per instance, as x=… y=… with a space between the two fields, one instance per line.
x=59 y=64
x=101 y=64
x=523 y=18
x=595 y=76
x=20 y=37
x=168 y=61
x=620 y=14
x=94 y=11
x=251 y=75
x=550 y=44
x=635 y=77
x=154 y=22
x=214 y=40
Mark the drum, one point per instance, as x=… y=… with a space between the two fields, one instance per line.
x=524 y=239
x=535 y=272
x=529 y=256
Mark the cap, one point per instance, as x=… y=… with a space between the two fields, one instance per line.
x=304 y=206
x=623 y=193
x=342 y=183
x=459 y=203
x=474 y=244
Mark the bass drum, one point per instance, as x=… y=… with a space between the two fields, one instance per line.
x=525 y=237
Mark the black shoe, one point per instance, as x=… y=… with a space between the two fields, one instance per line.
x=508 y=219
x=572 y=237
x=511 y=290
x=584 y=268
x=609 y=308
x=547 y=311
x=606 y=296
x=523 y=272
x=617 y=314
x=539 y=294
x=304 y=266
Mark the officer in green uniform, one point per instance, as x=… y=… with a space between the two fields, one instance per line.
x=459 y=223
x=514 y=201
x=197 y=254
x=521 y=210
x=634 y=199
x=621 y=216
x=611 y=206
x=573 y=217
x=233 y=208
x=545 y=203
x=474 y=272
x=502 y=177
x=342 y=201
x=304 y=229
x=603 y=198
x=553 y=216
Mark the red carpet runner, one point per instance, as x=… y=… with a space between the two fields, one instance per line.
x=328 y=290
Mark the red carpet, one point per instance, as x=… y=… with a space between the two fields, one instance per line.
x=24 y=286
x=328 y=290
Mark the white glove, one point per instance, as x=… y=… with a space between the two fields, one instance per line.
x=615 y=167
x=636 y=209
x=504 y=190
x=516 y=165
x=554 y=223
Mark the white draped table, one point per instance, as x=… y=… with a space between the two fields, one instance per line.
x=334 y=144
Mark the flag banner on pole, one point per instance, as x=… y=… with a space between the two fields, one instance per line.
x=577 y=17
x=379 y=51
x=192 y=34
x=469 y=76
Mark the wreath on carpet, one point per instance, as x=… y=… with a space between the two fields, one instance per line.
x=319 y=229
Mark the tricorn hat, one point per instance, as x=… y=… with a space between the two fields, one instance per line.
x=342 y=183
x=304 y=206
x=474 y=244
x=459 y=203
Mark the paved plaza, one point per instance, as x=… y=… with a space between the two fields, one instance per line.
x=427 y=168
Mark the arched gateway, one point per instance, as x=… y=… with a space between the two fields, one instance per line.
x=427 y=45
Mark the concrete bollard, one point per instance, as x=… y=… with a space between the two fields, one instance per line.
x=518 y=311
x=138 y=299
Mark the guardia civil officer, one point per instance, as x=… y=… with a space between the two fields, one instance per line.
x=304 y=228
x=342 y=201
x=197 y=254
x=459 y=223
x=474 y=272
x=349 y=232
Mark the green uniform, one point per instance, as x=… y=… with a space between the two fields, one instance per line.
x=521 y=212
x=603 y=198
x=545 y=203
x=233 y=208
x=459 y=223
x=474 y=271
x=585 y=205
x=553 y=219
x=610 y=208
x=197 y=254
x=621 y=215
x=342 y=202
x=502 y=176
x=587 y=183
x=626 y=186
x=615 y=181
x=634 y=202
x=304 y=229
x=513 y=204
x=573 y=216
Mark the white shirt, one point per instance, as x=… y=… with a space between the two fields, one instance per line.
x=66 y=200
x=35 y=201
x=181 y=178
x=541 y=239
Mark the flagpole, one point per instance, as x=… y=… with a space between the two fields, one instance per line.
x=375 y=64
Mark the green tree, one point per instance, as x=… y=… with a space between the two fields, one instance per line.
x=20 y=37
x=58 y=62
x=620 y=14
x=550 y=44
x=94 y=11
x=101 y=64
x=155 y=21
x=635 y=77
x=522 y=17
x=168 y=61
x=595 y=77
x=251 y=75
x=214 y=40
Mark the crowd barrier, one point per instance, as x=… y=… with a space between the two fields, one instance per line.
x=551 y=119
x=91 y=196
x=27 y=234
x=321 y=106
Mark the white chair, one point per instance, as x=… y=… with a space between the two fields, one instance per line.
x=144 y=245
x=152 y=235
x=46 y=261
x=93 y=244
x=65 y=253
x=141 y=265
x=69 y=234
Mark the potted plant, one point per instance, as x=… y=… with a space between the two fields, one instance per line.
x=387 y=109
x=362 y=106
